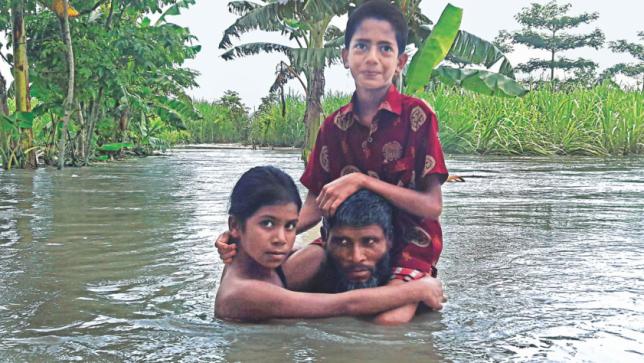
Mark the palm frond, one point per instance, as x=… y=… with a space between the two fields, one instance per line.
x=267 y=17
x=255 y=48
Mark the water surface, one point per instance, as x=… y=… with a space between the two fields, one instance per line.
x=543 y=260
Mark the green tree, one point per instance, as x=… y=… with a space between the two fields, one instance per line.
x=128 y=73
x=306 y=23
x=237 y=112
x=544 y=28
x=634 y=70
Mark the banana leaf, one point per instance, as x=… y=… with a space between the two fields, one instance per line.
x=480 y=81
x=434 y=49
x=469 y=48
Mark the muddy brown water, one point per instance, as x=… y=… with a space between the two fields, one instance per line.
x=543 y=261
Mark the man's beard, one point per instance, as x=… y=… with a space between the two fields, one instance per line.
x=379 y=275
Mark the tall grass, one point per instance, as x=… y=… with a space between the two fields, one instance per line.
x=269 y=128
x=600 y=121
x=217 y=125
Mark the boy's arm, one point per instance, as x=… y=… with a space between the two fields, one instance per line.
x=427 y=203
x=310 y=214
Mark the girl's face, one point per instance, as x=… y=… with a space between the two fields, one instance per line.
x=268 y=235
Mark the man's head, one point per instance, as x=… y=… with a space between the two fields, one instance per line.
x=374 y=44
x=358 y=238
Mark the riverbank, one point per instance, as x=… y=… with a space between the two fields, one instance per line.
x=601 y=121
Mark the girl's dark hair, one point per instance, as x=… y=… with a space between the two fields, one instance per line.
x=379 y=10
x=259 y=187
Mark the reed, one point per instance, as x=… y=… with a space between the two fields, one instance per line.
x=603 y=120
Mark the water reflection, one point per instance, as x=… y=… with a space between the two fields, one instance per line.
x=542 y=260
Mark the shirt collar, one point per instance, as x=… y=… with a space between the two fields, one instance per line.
x=392 y=103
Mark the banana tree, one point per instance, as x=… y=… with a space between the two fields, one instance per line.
x=446 y=41
x=307 y=23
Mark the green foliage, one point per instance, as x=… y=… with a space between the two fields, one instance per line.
x=543 y=27
x=634 y=69
x=603 y=120
x=480 y=81
x=434 y=48
x=463 y=48
x=130 y=79
x=225 y=120
x=269 y=127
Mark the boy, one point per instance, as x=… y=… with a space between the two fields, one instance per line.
x=384 y=142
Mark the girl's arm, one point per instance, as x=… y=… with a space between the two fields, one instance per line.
x=259 y=300
x=427 y=203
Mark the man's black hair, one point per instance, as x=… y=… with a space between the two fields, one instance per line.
x=380 y=10
x=361 y=209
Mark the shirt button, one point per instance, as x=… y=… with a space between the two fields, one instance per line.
x=370 y=139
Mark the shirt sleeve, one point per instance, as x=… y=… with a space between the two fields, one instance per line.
x=429 y=152
x=316 y=174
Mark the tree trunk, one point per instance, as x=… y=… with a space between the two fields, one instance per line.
x=552 y=60
x=124 y=119
x=69 y=100
x=313 y=113
x=21 y=81
x=91 y=124
x=4 y=104
x=81 y=135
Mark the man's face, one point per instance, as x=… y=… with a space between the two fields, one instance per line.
x=360 y=255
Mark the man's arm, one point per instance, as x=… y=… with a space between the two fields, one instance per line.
x=427 y=203
x=259 y=300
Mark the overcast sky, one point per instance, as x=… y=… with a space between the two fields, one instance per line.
x=252 y=76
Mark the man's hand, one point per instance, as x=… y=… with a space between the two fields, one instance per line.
x=434 y=297
x=226 y=250
x=337 y=191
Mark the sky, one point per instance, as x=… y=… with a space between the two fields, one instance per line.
x=252 y=76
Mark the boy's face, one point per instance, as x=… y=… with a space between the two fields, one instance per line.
x=372 y=55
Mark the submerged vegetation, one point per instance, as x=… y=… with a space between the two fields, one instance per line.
x=601 y=121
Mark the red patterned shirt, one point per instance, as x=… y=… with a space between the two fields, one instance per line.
x=401 y=147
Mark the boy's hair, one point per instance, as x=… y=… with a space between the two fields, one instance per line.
x=259 y=187
x=380 y=10
x=361 y=209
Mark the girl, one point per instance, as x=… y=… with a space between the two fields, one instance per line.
x=264 y=208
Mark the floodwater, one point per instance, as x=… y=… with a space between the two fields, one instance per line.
x=543 y=261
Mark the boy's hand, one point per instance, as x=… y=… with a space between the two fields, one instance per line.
x=226 y=250
x=434 y=297
x=337 y=191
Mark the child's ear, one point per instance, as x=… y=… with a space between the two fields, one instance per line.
x=345 y=57
x=402 y=60
x=234 y=227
